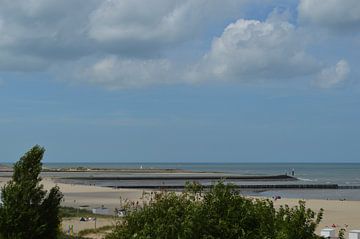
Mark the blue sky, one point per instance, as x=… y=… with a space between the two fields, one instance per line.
x=180 y=81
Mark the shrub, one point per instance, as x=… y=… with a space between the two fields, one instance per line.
x=219 y=213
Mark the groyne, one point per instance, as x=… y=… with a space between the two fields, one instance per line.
x=256 y=186
x=253 y=186
x=188 y=177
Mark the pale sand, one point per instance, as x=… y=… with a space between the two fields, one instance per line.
x=79 y=226
x=336 y=212
x=340 y=213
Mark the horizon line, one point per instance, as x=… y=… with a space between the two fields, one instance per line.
x=139 y=162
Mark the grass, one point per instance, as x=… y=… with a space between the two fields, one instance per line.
x=71 y=212
x=66 y=212
x=95 y=231
x=64 y=236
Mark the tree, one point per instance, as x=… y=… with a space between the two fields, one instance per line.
x=29 y=211
x=220 y=213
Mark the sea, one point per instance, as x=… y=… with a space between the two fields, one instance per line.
x=343 y=174
x=329 y=173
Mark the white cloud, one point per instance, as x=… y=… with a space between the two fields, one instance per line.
x=116 y=73
x=251 y=50
x=161 y=20
x=19 y=62
x=113 y=43
x=340 y=15
x=42 y=31
x=333 y=76
x=130 y=43
x=38 y=34
x=133 y=28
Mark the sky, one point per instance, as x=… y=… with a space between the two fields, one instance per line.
x=180 y=80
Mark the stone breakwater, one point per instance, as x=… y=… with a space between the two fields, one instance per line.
x=190 y=177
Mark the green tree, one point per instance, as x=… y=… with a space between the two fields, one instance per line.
x=29 y=211
x=220 y=213
x=304 y=220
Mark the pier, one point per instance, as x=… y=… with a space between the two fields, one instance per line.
x=189 y=177
x=254 y=186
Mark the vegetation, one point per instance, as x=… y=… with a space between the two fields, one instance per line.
x=95 y=231
x=74 y=212
x=84 y=234
x=218 y=213
x=66 y=212
x=64 y=236
x=29 y=211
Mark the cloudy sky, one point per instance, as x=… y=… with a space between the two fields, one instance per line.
x=180 y=80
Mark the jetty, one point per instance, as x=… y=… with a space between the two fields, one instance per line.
x=245 y=186
x=178 y=181
x=187 y=177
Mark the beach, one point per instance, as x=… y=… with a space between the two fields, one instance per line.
x=343 y=214
x=336 y=212
x=340 y=213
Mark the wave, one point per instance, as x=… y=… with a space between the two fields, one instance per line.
x=307 y=180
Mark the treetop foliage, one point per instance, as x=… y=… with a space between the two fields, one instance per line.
x=219 y=213
x=29 y=211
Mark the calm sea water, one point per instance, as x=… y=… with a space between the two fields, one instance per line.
x=337 y=173
x=347 y=174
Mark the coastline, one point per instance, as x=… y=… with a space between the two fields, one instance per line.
x=108 y=189
x=337 y=212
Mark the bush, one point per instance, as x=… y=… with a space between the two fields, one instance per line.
x=220 y=213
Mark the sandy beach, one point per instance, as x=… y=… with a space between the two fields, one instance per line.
x=341 y=213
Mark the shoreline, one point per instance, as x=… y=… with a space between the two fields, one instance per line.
x=336 y=212
x=344 y=214
x=190 y=176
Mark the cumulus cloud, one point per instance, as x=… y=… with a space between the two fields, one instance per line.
x=339 y=15
x=124 y=40
x=117 y=73
x=71 y=29
x=133 y=28
x=21 y=62
x=333 y=76
x=43 y=31
x=255 y=50
x=130 y=43
x=161 y=21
